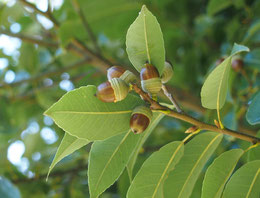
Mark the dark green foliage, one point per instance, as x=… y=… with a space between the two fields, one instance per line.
x=196 y=34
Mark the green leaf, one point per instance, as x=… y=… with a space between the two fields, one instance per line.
x=219 y=172
x=238 y=48
x=182 y=179
x=214 y=89
x=108 y=158
x=253 y=112
x=81 y=114
x=144 y=41
x=245 y=182
x=214 y=6
x=149 y=180
x=254 y=153
x=68 y=145
x=7 y=189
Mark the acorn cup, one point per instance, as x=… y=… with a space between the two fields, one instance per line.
x=120 y=72
x=113 y=90
x=140 y=119
x=150 y=80
x=167 y=72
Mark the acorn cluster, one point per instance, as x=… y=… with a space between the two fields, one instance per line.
x=118 y=86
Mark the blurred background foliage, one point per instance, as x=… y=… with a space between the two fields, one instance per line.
x=47 y=49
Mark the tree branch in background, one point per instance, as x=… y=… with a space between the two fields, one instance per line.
x=201 y=125
x=30 y=39
x=54 y=174
x=46 y=14
x=47 y=74
x=86 y=25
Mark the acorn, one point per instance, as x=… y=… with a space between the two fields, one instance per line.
x=113 y=90
x=167 y=72
x=219 y=61
x=140 y=119
x=150 y=79
x=120 y=72
x=237 y=64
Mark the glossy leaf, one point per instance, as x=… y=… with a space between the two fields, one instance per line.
x=245 y=182
x=144 y=41
x=253 y=112
x=108 y=158
x=149 y=180
x=219 y=172
x=68 y=145
x=182 y=179
x=215 y=6
x=82 y=115
x=7 y=189
x=214 y=89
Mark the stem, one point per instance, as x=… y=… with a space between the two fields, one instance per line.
x=184 y=117
x=54 y=174
x=86 y=25
x=30 y=39
x=47 y=14
x=47 y=74
x=171 y=98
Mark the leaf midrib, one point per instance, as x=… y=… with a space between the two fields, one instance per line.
x=91 y=113
x=146 y=37
x=253 y=182
x=212 y=141
x=226 y=178
x=220 y=85
x=165 y=170
x=110 y=159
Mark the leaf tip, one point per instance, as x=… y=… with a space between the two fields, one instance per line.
x=47 y=113
x=144 y=8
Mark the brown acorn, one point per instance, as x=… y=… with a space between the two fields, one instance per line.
x=150 y=79
x=237 y=64
x=219 y=61
x=120 y=72
x=113 y=90
x=140 y=119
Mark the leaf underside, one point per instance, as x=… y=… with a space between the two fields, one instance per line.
x=182 y=179
x=144 y=41
x=82 y=115
x=219 y=172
